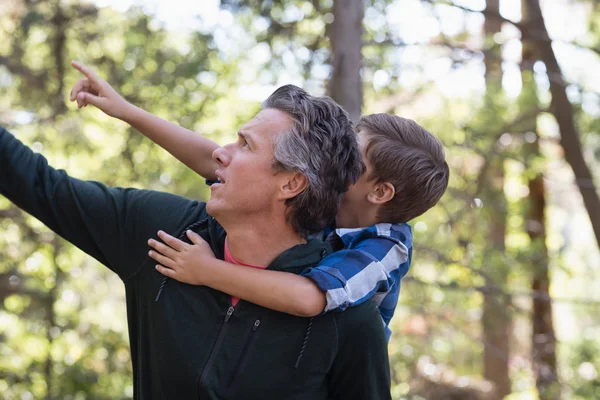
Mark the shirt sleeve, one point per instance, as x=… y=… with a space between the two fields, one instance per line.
x=110 y=224
x=352 y=276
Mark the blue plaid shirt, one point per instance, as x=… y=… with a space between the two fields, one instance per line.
x=369 y=263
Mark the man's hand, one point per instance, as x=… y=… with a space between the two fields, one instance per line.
x=96 y=91
x=181 y=261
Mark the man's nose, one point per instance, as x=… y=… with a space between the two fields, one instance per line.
x=221 y=156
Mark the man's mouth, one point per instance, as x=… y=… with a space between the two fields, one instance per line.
x=220 y=177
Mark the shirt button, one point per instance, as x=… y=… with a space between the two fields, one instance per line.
x=323 y=252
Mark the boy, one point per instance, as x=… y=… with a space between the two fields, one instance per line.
x=405 y=175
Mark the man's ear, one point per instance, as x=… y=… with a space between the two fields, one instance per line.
x=294 y=184
x=381 y=193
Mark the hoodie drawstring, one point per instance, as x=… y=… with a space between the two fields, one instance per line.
x=309 y=327
x=306 y=335
x=165 y=279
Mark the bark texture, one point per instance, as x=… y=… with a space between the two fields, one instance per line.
x=345 y=35
x=496 y=319
x=543 y=338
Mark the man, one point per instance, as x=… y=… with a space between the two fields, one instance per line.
x=283 y=178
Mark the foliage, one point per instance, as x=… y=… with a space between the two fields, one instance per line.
x=63 y=330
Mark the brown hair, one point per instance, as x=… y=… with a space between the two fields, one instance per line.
x=406 y=155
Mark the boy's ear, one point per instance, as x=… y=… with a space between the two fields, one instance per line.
x=381 y=193
x=293 y=185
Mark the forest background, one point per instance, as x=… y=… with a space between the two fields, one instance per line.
x=501 y=298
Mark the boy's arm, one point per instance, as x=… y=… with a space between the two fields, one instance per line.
x=190 y=148
x=196 y=264
x=351 y=276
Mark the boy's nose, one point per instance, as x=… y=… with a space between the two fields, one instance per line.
x=221 y=156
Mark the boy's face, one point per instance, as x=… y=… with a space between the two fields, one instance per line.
x=353 y=211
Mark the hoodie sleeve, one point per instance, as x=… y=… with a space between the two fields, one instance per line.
x=110 y=224
x=361 y=369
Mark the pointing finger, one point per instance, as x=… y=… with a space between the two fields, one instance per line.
x=91 y=75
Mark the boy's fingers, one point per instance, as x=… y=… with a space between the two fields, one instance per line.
x=91 y=75
x=162 y=259
x=163 y=249
x=165 y=271
x=172 y=241
x=194 y=237
x=87 y=98
x=81 y=99
x=81 y=85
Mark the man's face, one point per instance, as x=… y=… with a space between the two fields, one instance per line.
x=248 y=182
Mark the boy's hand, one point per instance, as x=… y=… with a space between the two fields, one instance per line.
x=182 y=261
x=96 y=91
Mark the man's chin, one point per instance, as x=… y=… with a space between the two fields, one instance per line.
x=210 y=206
x=214 y=208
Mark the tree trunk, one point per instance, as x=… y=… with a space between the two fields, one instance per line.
x=59 y=21
x=543 y=346
x=536 y=33
x=345 y=35
x=496 y=318
x=51 y=320
x=543 y=340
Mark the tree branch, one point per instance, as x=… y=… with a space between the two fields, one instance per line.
x=562 y=110
x=486 y=12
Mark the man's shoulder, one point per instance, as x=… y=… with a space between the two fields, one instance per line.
x=164 y=210
x=301 y=256
x=363 y=320
x=159 y=198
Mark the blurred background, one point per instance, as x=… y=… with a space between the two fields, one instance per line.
x=501 y=301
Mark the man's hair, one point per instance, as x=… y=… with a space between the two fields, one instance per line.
x=406 y=155
x=322 y=145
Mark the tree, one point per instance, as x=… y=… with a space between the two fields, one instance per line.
x=482 y=255
x=345 y=36
x=496 y=319
x=55 y=299
x=535 y=32
x=543 y=339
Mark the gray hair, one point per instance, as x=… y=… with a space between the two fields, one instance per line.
x=322 y=145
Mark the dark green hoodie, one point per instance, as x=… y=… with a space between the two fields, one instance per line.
x=187 y=342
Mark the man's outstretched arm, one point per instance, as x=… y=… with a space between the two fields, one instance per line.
x=110 y=224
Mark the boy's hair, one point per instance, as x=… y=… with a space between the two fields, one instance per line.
x=406 y=155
